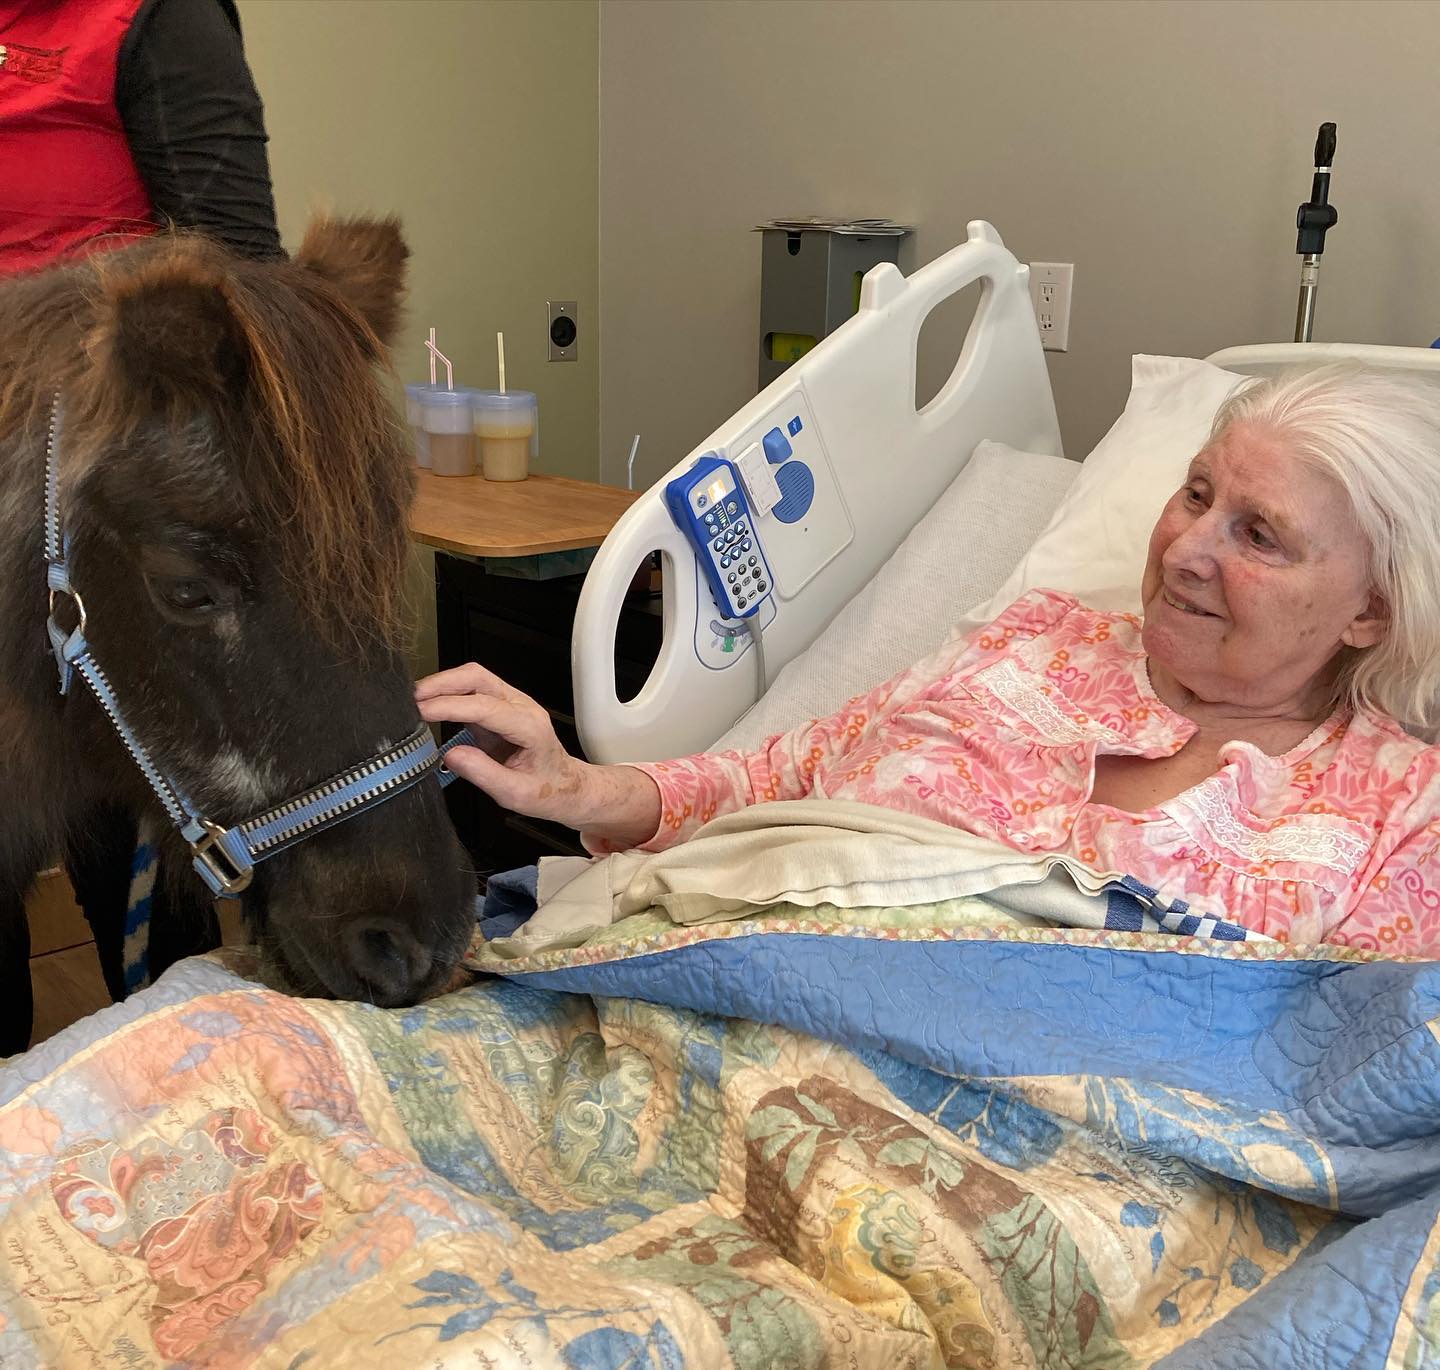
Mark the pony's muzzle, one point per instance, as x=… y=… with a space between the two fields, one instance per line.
x=387 y=958
x=379 y=909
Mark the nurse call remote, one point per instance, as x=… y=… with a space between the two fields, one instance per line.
x=709 y=506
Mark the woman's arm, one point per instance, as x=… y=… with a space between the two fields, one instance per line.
x=653 y=804
x=616 y=807
x=195 y=124
x=657 y=804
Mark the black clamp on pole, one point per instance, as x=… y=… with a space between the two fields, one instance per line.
x=1314 y=219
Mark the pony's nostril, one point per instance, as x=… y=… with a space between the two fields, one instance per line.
x=378 y=947
x=388 y=958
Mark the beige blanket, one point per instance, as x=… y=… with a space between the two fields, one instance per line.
x=805 y=852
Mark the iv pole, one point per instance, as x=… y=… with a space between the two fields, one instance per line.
x=1315 y=216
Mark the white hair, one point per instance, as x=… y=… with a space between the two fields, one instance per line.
x=1378 y=434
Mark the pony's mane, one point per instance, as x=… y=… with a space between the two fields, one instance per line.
x=328 y=472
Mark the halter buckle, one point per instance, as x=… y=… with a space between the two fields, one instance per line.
x=220 y=870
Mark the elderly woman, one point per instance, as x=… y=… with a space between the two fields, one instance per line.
x=1243 y=747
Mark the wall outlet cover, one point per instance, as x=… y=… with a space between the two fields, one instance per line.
x=563 y=330
x=1050 y=284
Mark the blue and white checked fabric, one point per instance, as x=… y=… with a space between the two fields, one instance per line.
x=1133 y=907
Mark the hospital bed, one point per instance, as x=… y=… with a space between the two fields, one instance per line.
x=897 y=1136
x=860 y=466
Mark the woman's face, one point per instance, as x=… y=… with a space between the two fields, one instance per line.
x=1257 y=576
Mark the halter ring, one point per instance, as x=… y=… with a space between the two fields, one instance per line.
x=79 y=605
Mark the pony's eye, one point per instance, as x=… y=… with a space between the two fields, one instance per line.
x=188 y=596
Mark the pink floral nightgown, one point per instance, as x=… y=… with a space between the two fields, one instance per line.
x=998 y=733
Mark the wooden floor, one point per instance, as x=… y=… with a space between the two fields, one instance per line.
x=68 y=987
x=64 y=968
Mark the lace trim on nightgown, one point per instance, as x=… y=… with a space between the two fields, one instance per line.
x=1013 y=687
x=1308 y=843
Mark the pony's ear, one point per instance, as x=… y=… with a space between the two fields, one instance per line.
x=364 y=259
x=167 y=330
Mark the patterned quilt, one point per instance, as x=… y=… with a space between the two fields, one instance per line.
x=885 y=1138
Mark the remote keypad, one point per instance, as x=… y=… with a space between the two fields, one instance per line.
x=710 y=504
x=743 y=572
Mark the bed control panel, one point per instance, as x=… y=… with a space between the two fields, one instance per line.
x=709 y=505
x=786 y=471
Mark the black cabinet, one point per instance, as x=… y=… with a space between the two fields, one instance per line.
x=520 y=629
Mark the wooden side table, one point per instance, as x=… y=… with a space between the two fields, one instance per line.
x=486 y=518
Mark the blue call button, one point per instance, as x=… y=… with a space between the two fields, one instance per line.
x=777 y=446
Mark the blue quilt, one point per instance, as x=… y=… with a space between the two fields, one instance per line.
x=1275 y=1081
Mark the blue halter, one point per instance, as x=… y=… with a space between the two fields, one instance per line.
x=223 y=857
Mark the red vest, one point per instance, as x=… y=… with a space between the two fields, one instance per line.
x=67 y=179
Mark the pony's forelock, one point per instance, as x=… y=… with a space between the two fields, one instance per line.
x=326 y=466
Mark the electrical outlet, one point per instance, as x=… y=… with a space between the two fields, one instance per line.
x=1050 y=292
x=560 y=319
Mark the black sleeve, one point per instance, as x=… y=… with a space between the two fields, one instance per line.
x=195 y=124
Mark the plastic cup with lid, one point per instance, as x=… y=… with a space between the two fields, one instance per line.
x=446 y=418
x=413 y=416
x=507 y=424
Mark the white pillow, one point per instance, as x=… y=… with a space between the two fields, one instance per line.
x=963 y=548
x=1096 y=543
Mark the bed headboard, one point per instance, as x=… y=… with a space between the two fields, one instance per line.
x=872 y=466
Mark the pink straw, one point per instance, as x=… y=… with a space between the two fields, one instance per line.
x=434 y=353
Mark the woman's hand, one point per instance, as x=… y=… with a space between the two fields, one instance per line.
x=538 y=777
x=617 y=806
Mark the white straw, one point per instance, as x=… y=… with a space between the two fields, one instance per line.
x=500 y=348
x=630 y=465
x=431 y=346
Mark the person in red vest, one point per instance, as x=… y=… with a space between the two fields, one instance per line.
x=123 y=116
x=119 y=118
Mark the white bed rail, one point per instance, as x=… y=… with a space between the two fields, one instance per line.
x=878 y=465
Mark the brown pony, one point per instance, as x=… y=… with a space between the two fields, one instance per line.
x=234 y=481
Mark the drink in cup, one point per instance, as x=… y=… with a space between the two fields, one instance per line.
x=449 y=429
x=507 y=427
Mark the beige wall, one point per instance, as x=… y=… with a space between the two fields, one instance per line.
x=1160 y=146
x=475 y=121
